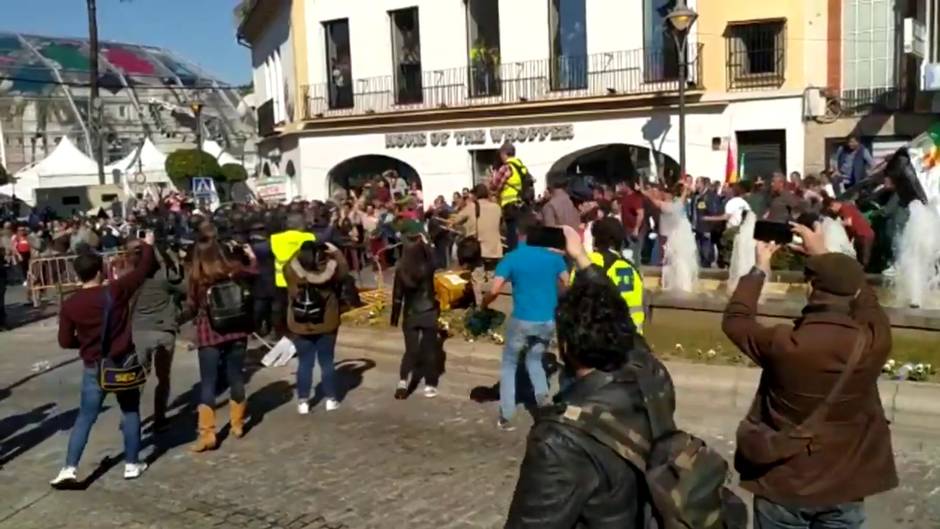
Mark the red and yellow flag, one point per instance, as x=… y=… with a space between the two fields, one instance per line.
x=731 y=163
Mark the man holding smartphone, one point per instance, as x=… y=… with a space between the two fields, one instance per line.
x=815 y=443
x=536 y=274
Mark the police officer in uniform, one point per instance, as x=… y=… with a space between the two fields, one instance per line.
x=608 y=247
x=510 y=186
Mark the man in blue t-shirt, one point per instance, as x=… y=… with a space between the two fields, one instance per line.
x=536 y=275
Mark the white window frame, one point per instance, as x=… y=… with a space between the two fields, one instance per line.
x=866 y=37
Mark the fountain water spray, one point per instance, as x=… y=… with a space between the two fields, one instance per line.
x=918 y=259
x=918 y=265
x=680 y=265
x=743 y=251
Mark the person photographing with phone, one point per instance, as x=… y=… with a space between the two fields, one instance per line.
x=816 y=442
x=537 y=271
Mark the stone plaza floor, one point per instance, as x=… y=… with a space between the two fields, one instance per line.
x=375 y=462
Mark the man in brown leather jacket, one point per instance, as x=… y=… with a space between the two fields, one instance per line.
x=850 y=456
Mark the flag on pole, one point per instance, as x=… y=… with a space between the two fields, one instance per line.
x=731 y=163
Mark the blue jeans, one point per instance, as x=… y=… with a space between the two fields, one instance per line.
x=310 y=349
x=209 y=357
x=770 y=515
x=530 y=339
x=706 y=249
x=88 y=409
x=656 y=258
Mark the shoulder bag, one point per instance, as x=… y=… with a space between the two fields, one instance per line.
x=760 y=443
x=119 y=374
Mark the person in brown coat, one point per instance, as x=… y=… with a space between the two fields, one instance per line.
x=805 y=472
x=313 y=278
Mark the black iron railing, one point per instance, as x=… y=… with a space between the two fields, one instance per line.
x=560 y=78
x=756 y=55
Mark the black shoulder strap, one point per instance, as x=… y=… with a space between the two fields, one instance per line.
x=106 y=323
x=627 y=440
x=655 y=400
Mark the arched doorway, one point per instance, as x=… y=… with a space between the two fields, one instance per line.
x=355 y=172
x=614 y=163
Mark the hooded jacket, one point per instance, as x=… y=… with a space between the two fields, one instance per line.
x=327 y=280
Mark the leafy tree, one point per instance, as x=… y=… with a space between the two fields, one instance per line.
x=233 y=172
x=184 y=164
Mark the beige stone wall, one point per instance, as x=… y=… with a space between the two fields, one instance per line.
x=901 y=124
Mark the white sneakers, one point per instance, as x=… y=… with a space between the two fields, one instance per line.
x=134 y=470
x=430 y=392
x=67 y=477
x=303 y=407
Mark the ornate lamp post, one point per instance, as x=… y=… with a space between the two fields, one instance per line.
x=196 y=107
x=680 y=21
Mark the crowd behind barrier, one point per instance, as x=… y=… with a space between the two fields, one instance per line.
x=593 y=448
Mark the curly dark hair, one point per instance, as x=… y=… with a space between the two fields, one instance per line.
x=594 y=325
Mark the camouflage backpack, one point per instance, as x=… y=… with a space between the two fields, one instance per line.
x=685 y=480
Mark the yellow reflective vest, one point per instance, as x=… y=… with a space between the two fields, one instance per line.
x=512 y=187
x=284 y=245
x=625 y=276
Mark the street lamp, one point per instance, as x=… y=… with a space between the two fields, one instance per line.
x=196 y=107
x=680 y=20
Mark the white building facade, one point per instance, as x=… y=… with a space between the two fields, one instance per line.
x=432 y=88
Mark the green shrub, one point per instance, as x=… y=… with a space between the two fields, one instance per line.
x=184 y=164
x=233 y=172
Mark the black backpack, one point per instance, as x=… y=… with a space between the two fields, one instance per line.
x=228 y=305
x=686 y=480
x=527 y=193
x=309 y=305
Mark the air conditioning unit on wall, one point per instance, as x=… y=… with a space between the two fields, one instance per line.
x=814 y=103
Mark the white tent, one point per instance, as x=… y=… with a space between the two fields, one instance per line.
x=146 y=159
x=216 y=151
x=66 y=166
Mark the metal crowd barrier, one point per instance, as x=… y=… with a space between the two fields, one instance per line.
x=57 y=273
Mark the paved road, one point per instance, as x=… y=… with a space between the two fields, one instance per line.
x=374 y=463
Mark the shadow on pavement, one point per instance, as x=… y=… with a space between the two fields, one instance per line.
x=22 y=314
x=348 y=377
x=263 y=401
x=17 y=445
x=525 y=394
x=8 y=391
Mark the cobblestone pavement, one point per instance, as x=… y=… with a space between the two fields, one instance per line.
x=375 y=462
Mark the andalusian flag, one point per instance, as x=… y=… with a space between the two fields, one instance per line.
x=731 y=163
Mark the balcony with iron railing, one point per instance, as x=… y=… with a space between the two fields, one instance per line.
x=623 y=73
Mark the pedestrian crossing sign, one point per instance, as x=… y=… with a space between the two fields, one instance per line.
x=203 y=187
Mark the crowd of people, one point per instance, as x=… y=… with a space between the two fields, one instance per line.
x=572 y=258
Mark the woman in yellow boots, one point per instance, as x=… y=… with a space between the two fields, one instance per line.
x=223 y=321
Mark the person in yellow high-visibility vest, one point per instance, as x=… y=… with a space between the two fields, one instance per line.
x=283 y=246
x=509 y=184
x=609 y=239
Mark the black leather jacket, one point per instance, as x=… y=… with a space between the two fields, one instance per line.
x=419 y=304
x=570 y=480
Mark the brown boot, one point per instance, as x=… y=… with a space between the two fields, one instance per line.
x=206 y=439
x=237 y=420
